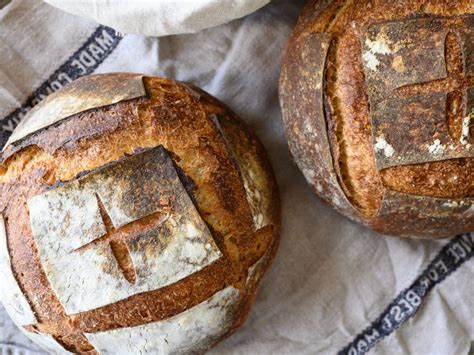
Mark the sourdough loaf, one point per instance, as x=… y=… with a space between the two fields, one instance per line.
x=138 y=215
x=378 y=105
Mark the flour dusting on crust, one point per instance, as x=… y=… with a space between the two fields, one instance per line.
x=190 y=332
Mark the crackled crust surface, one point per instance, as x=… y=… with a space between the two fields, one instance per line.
x=180 y=118
x=347 y=108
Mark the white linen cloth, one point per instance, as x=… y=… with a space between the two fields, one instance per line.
x=335 y=286
x=160 y=17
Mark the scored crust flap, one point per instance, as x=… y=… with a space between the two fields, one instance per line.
x=190 y=332
x=83 y=94
x=303 y=76
x=15 y=302
x=411 y=214
x=75 y=226
x=408 y=85
x=259 y=185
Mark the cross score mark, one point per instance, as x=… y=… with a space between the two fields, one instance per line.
x=117 y=236
x=455 y=84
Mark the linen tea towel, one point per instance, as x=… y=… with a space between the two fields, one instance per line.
x=335 y=286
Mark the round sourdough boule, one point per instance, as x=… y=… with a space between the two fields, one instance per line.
x=378 y=106
x=138 y=214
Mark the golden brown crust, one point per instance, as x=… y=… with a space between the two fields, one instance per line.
x=436 y=179
x=347 y=98
x=178 y=117
x=348 y=112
